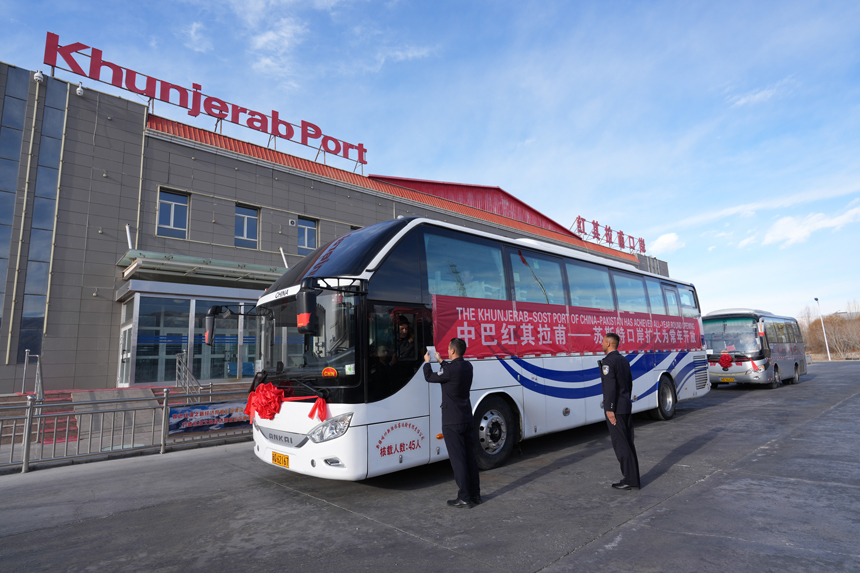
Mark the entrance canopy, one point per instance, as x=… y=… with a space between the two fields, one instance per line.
x=200 y=269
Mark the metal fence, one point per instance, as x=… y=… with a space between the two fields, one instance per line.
x=36 y=433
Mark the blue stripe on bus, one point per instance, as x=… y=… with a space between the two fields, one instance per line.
x=640 y=365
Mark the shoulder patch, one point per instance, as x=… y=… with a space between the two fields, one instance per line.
x=606 y=369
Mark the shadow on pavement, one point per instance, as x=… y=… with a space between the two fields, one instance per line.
x=678 y=454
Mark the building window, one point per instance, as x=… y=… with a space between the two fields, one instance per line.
x=172 y=215
x=307 y=236
x=247 y=219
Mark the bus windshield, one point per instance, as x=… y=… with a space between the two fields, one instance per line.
x=736 y=335
x=327 y=359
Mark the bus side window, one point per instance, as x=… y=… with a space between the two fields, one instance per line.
x=630 y=292
x=393 y=359
x=399 y=276
x=688 y=302
x=589 y=286
x=789 y=332
x=655 y=296
x=465 y=268
x=770 y=331
x=536 y=279
x=671 y=300
x=780 y=332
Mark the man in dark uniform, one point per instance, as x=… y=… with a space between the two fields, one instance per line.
x=617 y=382
x=458 y=428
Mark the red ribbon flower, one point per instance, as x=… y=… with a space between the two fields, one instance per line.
x=265 y=401
x=726 y=360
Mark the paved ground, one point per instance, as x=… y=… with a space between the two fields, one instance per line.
x=741 y=480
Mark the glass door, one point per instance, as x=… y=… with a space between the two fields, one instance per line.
x=124 y=376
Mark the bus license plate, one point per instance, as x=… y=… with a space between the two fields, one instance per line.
x=727 y=379
x=280 y=460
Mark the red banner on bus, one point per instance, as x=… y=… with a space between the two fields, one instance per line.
x=507 y=328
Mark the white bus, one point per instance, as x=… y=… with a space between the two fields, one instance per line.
x=756 y=347
x=351 y=322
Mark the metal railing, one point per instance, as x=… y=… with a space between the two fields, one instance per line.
x=186 y=380
x=30 y=435
x=39 y=388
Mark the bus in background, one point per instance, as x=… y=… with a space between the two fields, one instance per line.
x=350 y=324
x=753 y=347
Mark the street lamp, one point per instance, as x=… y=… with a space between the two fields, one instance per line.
x=822 y=328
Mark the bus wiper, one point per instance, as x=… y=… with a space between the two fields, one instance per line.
x=319 y=392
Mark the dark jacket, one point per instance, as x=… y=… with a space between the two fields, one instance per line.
x=456 y=380
x=617 y=382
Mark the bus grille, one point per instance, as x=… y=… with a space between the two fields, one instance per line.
x=700 y=363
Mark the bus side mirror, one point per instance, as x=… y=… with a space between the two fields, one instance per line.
x=209 y=337
x=306 y=310
x=211 y=314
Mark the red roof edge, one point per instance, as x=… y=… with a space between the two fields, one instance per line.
x=210 y=138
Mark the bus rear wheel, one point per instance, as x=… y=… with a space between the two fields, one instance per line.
x=665 y=409
x=495 y=433
x=794 y=379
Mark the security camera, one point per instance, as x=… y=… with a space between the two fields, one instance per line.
x=38 y=77
x=80 y=90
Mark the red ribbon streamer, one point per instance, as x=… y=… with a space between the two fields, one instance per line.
x=265 y=401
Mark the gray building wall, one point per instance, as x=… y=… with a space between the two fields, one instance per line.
x=112 y=170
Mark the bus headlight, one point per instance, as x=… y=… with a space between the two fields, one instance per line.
x=331 y=429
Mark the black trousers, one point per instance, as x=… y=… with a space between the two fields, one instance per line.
x=460 y=441
x=622 y=442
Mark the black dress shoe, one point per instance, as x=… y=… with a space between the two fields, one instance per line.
x=460 y=504
x=476 y=500
x=621 y=485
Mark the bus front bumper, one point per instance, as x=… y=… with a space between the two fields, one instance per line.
x=343 y=458
x=742 y=377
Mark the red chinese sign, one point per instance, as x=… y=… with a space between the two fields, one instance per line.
x=493 y=328
x=392 y=441
x=608 y=236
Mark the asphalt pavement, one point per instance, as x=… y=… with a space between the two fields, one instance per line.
x=740 y=480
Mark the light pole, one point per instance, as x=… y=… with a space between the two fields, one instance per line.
x=822 y=328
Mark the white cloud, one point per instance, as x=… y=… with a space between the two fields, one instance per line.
x=761 y=95
x=396 y=54
x=747 y=241
x=281 y=38
x=195 y=40
x=791 y=230
x=807 y=196
x=711 y=248
x=272 y=48
x=664 y=244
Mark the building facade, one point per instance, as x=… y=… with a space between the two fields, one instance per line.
x=119 y=228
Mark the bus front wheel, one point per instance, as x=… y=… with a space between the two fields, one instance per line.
x=665 y=409
x=775 y=384
x=495 y=433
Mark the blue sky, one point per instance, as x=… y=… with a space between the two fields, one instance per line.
x=726 y=134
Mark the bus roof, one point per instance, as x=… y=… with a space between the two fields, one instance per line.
x=359 y=253
x=752 y=312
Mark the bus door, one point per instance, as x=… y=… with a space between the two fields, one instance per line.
x=528 y=371
x=403 y=438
